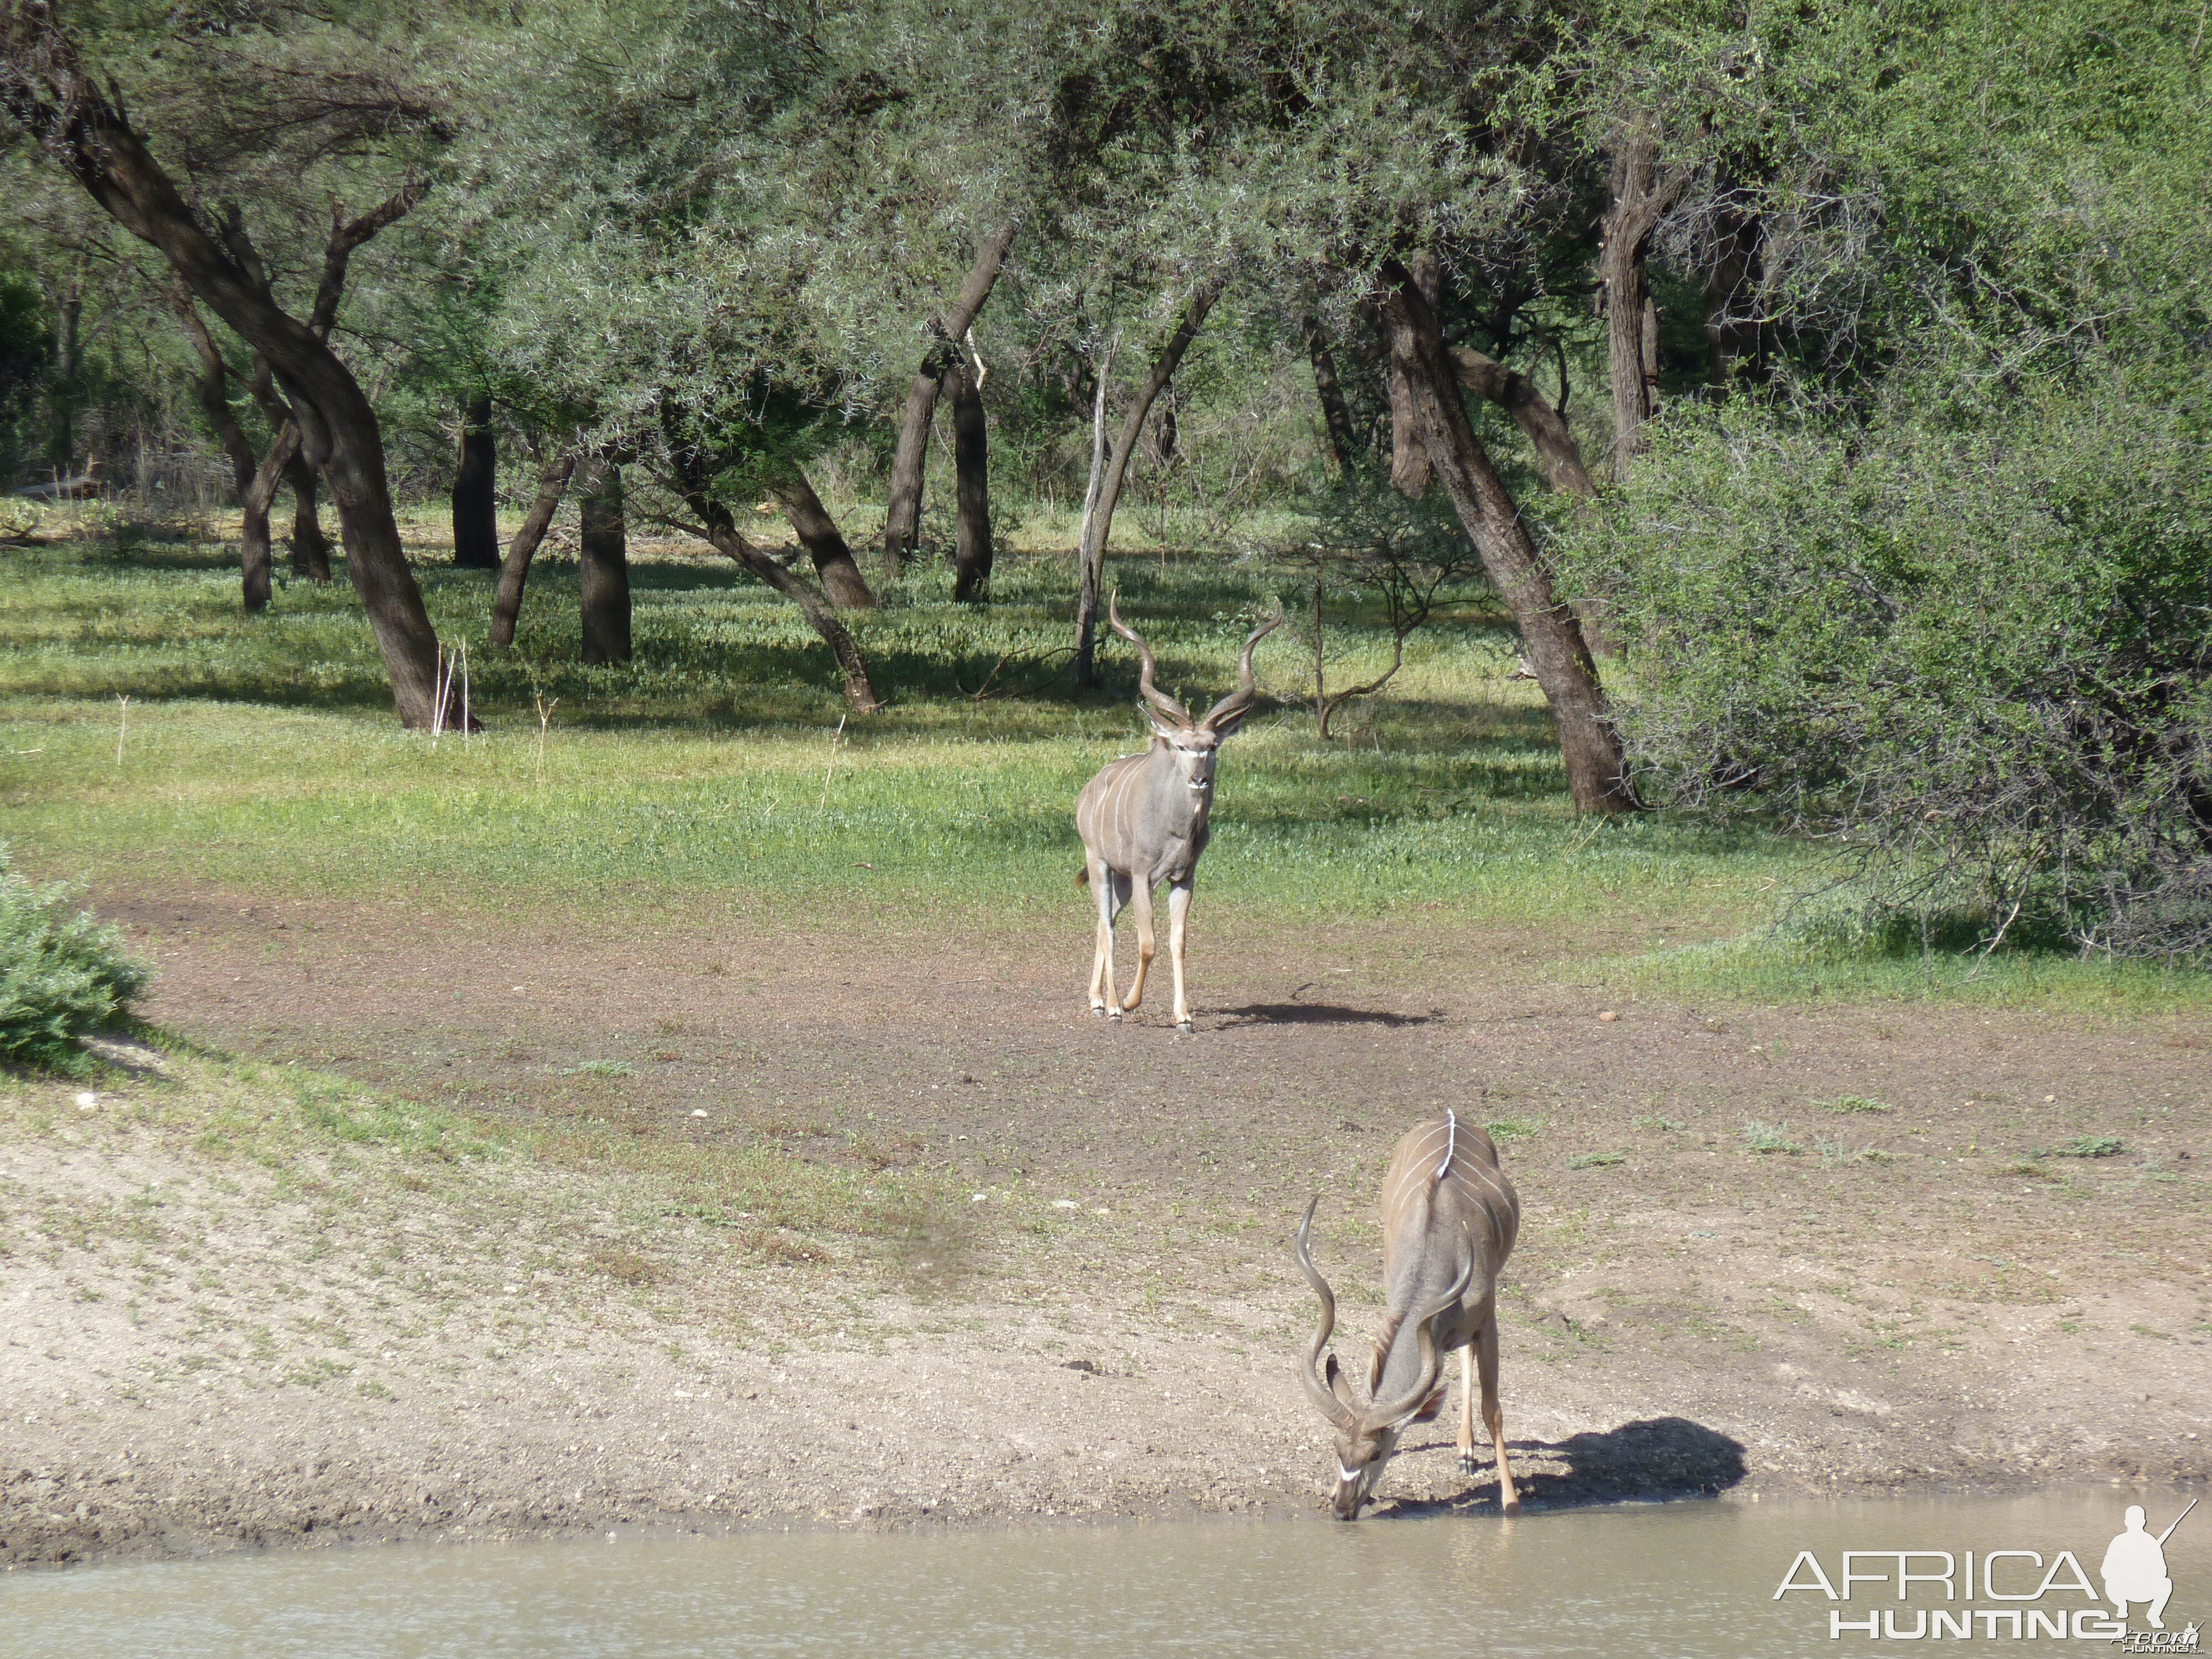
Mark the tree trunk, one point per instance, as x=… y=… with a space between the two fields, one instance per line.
x=817 y=532
x=602 y=562
x=903 y=509
x=1098 y=519
x=311 y=550
x=1639 y=200
x=1597 y=769
x=514 y=573
x=1410 y=470
x=255 y=502
x=50 y=93
x=722 y=533
x=476 y=491
x=211 y=388
x=971 y=466
x=1545 y=428
x=692 y=471
x=1735 y=341
x=61 y=408
x=1335 y=413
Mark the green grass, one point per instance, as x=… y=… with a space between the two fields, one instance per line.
x=704 y=772
x=261 y=753
x=1764 y=1137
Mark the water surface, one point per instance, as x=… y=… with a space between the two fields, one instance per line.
x=1689 y=1580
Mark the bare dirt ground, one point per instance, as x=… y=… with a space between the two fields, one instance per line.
x=198 y=1350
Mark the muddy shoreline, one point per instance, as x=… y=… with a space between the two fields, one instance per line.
x=242 y=1307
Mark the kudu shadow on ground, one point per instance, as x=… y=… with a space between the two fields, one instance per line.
x=1659 y=1458
x=1320 y=1013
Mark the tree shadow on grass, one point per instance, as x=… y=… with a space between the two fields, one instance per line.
x=1655 y=1459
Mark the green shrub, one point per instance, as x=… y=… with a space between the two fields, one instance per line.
x=61 y=974
x=1966 y=646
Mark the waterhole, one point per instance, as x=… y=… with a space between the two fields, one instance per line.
x=1686 y=1580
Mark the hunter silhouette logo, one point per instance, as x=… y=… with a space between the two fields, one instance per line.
x=2033 y=1598
x=2135 y=1566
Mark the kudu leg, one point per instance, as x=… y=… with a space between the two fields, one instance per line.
x=1493 y=1416
x=1110 y=891
x=1466 y=1406
x=1178 y=915
x=1141 y=897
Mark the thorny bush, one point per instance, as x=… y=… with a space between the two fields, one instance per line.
x=1972 y=652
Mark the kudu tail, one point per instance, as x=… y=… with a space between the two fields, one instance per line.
x=1082 y=876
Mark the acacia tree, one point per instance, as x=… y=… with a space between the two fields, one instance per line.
x=50 y=91
x=637 y=307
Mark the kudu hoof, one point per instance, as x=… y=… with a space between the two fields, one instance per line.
x=1185 y=1028
x=1113 y=1014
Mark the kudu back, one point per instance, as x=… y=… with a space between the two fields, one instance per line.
x=1449 y=1220
x=1143 y=820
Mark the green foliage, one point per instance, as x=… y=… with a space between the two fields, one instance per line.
x=1971 y=653
x=1763 y=1139
x=25 y=344
x=62 y=974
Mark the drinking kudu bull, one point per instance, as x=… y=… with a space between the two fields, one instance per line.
x=1449 y=1216
x=1143 y=821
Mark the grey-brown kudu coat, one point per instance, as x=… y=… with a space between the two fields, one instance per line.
x=1449 y=1220
x=1143 y=820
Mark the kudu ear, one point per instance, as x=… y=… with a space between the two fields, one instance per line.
x=1339 y=1384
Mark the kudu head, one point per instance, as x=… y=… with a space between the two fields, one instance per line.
x=1365 y=1436
x=1194 y=744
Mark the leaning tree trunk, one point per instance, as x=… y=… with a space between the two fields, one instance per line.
x=310 y=549
x=1639 y=201
x=603 y=563
x=1596 y=768
x=971 y=466
x=1336 y=414
x=1098 y=519
x=903 y=513
x=722 y=533
x=514 y=573
x=211 y=388
x=476 y=491
x=1545 y=428
x=693 y=467
x=47 y=90
x=817 y=532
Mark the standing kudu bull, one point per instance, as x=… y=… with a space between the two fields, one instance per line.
x=1449 y=1217
x=1143 y=820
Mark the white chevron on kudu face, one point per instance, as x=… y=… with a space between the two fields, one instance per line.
x=1449 y=1220
x=1143 y=820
